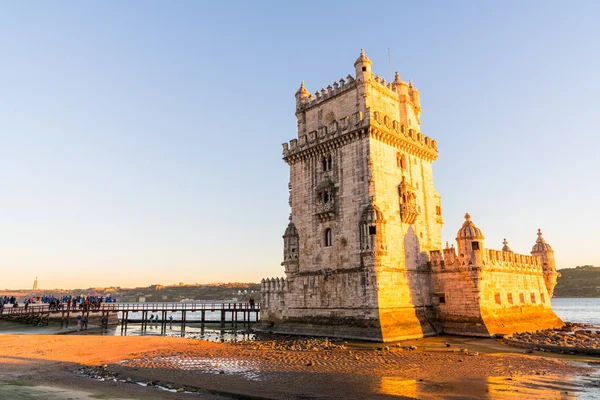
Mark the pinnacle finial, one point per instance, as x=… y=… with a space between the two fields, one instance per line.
x=540 y=239
x=302 y=84
x=505 y=247
x=362 y=52
x=397 y=77
x=468 y=216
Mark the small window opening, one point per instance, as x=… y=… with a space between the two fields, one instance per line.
x=442 y=299
x=364 y=69
x=522 y=298
x=328 y=238
x=330 y=163
x=533 y=298
x=475 y=245
x=438 y=210
x=372 y=230
x=497 y=298
x=543 y=297
x=325 y=198
x=510 y=298
x=324 y=164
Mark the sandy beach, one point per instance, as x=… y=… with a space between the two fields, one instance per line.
x=437 y=368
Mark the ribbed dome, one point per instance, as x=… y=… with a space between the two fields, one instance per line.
x=290 y=230
x=469 y=230
x=540 y=244
x=302 y=91
x=371 y=214
x=362 y=59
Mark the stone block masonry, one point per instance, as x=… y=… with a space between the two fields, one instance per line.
x=363 y=253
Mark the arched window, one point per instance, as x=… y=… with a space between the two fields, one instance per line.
x=324 y=164
x=328 y=237
x=371 y=229
x=330 y=163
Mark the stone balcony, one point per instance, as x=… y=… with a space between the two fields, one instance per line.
x=408 y=213
x=325 y=211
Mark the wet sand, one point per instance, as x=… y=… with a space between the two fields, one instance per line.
x=266 y=370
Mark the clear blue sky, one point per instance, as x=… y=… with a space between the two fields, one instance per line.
x=140 y=142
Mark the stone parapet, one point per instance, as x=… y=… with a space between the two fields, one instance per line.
x=337 y=134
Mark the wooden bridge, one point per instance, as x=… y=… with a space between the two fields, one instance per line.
x=240 y=312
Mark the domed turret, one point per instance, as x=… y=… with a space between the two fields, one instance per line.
x=302 y=95
x=469 y=230
x=540 y=244
x=290 y=249
x=544 y=251
x=362 y=65
x=290 y=230
x=470 y=242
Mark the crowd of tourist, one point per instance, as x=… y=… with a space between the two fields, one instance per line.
x=67 y=302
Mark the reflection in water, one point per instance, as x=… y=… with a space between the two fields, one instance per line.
x=210 y=332
x=398 y=386
x=523 y=387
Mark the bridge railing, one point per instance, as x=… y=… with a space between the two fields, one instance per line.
x=133 y=307
x=204 y=306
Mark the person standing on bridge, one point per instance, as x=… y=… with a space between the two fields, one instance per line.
x=170 y=322
x=78 y=323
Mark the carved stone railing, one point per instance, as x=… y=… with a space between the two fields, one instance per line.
x=325 y=211
x=408 y=213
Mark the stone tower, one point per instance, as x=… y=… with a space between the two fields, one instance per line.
x=35 y=284
x=364 y=213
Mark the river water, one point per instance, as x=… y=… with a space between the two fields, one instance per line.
x=583 y=310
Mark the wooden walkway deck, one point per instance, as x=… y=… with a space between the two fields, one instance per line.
x=240 y=312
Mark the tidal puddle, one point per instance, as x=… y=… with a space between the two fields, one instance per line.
x=244 y=368
x=13 y=390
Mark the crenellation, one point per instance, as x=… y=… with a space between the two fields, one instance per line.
x=363 y=255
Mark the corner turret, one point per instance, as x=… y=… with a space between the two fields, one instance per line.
x=470 y=242
x=363 y=66
x=546 y=254
x=302 y=96
x=290 y=249
x=414 y=96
